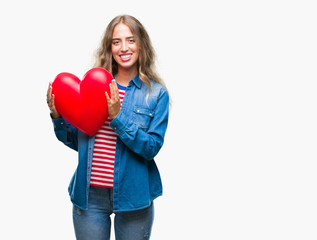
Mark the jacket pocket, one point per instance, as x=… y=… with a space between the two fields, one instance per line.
x=142 y=116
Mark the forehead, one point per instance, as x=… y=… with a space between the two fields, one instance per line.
x=121 y=30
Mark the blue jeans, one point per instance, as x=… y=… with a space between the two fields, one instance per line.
x=95 y=223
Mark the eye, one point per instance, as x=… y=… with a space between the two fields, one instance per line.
x=115 y=42
x=131 y=40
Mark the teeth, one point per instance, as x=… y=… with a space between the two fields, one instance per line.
x=125 y=56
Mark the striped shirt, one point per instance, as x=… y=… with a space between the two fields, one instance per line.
x=104 y=153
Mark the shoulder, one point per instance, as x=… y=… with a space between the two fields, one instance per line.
x=157 y=88
x=158 y=93
x=151 y=95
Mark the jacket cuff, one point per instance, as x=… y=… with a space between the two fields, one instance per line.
x=119 y=123
x=58 y=123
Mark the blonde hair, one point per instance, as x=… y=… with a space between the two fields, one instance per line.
x=146 y=61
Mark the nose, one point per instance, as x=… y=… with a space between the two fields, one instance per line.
x=125 y=46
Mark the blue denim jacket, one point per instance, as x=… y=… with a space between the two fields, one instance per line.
x=140 y=126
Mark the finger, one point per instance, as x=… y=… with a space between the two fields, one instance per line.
x=53 y=109
x=51 y=104
x=115 y=90
x=112 y=91
x=115 y=85
x=53 y=101
x=50 y=101
x=107 y=97
x=49 y=91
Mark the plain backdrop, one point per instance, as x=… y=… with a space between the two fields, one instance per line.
x=239 y=160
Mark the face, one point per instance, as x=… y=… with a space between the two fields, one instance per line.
x=125 y=50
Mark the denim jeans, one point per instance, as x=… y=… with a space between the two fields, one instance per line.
x=95 y=223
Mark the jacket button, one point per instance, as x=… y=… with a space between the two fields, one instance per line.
x=116 y=191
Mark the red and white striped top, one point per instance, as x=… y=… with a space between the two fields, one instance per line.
x=104 y=153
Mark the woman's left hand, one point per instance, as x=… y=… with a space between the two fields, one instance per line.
x=113 y=102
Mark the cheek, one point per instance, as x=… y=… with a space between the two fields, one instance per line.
x=136 y=52
x=114 y=50
x=136 y=48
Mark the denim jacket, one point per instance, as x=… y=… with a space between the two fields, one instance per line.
x=140 y=126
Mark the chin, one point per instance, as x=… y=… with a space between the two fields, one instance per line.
x=126 y=65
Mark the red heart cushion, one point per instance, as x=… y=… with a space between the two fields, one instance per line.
x=83 y=103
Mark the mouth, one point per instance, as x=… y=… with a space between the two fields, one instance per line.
x=125 y=57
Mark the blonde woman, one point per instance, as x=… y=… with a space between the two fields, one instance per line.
x=116 y=171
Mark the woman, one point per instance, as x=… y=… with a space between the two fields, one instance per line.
x=116 y=172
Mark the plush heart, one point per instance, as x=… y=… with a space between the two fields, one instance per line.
x=83 y=103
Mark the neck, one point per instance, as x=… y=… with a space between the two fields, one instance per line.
x=124 y=76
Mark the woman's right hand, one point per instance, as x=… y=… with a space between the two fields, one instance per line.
x=50 y=102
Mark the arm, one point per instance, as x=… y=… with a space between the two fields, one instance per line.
x=144 y=143
x=64 y=131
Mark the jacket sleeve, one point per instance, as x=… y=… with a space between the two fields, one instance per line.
x=66 y=133
x=145 y=143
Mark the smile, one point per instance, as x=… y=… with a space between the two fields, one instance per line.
x=125 y=57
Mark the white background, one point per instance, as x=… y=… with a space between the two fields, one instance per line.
x=239 y=160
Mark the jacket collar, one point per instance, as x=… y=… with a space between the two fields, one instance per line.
x=137 y=81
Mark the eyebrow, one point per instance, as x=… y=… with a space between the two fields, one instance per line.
x=119 y=38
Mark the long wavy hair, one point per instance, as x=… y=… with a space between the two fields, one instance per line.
x=146 y=61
